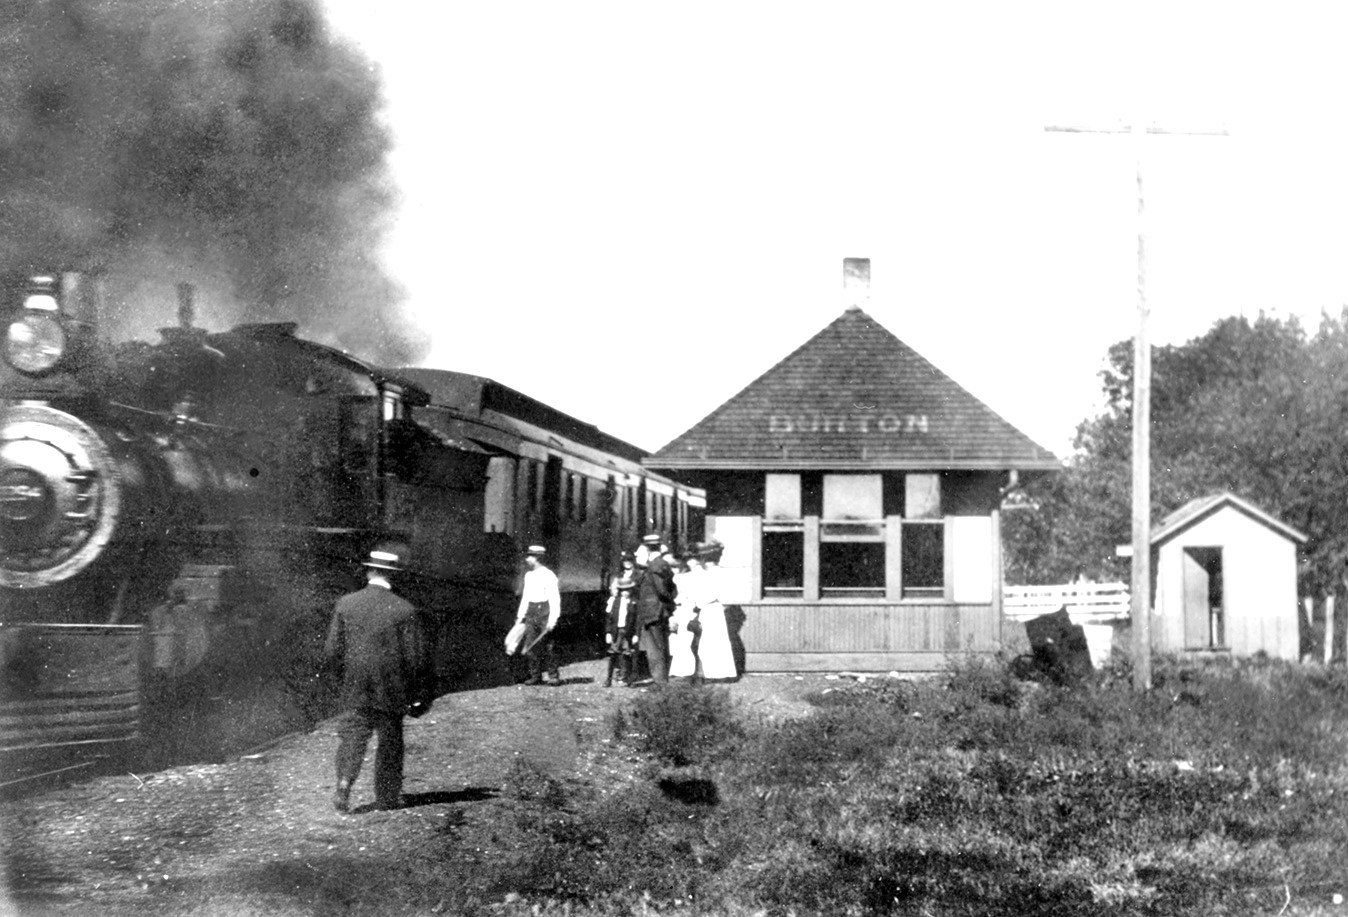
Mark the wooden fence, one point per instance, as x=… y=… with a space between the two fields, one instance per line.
x=1322 y=636
x=1324 y=630
x=1086 y=603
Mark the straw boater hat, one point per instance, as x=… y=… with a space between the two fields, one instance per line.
x=536 y=550
x=388 y=555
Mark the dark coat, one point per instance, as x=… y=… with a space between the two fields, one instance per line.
x=381 y=645
x=655 y=592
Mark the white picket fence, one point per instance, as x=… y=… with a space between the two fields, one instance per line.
x=1086 y=603
x=1095 y=606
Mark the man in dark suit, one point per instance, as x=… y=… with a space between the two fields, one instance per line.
x=655 y=603
x=382 y=645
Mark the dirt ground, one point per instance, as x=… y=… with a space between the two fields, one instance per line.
x=259 y=832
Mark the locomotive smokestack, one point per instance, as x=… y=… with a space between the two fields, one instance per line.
x=187 y=310
x=82 y=297
x=857 y=282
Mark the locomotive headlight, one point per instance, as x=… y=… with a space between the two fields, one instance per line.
x=34 y=343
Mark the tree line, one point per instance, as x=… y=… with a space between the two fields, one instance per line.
x=1257 y=408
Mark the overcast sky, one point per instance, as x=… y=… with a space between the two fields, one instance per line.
x=595 y=195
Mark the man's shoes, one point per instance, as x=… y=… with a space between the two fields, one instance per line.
x=537 y=680
x=341 y=800
x=388 y=805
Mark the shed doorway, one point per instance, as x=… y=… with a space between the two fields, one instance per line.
x=1204 y=602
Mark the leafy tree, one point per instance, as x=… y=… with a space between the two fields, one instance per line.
x=1258 y=409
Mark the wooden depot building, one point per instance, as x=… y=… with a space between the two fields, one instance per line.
x=856 y=489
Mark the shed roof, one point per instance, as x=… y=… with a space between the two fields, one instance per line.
x=854 y=396
x=1195 y=511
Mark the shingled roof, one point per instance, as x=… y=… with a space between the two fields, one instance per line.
x=854 y=397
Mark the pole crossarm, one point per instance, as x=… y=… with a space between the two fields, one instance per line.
x=1128 y=129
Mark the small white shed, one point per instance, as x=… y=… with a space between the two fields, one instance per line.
x=1226 y=580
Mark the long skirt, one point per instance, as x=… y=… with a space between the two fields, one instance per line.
x=682 y=662
x=713 y=649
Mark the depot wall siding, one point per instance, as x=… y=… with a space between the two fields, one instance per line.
x=909 y=636
x=889 y=634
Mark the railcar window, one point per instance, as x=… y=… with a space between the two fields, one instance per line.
x=531 y=486
x=358 y=424
x=582 y=504
x=500 y=496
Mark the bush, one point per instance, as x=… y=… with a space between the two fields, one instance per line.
x=976 y=679
x=683 y=724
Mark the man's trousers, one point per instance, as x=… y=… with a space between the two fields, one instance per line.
x=654 y=642
x=353 y=737
x=543 y=657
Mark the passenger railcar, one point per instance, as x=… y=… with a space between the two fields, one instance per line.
x=556 y=481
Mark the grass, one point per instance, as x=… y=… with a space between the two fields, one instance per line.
x=1222 y=791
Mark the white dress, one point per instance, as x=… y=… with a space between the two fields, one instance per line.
x=714 y=650
x=682 y=662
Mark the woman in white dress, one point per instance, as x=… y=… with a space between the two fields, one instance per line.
x=713 y=649
x=682 y=659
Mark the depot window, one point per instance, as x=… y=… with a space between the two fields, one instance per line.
x=783 y=537
x=923 y=538
x=853 y=536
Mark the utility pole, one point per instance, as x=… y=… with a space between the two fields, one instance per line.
x=1140 y=587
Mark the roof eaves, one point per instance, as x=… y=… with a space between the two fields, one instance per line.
x=1197 y=510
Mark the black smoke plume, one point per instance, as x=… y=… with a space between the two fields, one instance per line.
x=233 y=144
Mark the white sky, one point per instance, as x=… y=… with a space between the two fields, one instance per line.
x=596 y=194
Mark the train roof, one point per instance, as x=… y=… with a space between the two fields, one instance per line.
x=284 y=332
x=471 y=396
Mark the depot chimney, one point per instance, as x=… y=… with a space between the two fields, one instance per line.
x=857 y=282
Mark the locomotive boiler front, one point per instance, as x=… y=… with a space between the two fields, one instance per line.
x=67 y=491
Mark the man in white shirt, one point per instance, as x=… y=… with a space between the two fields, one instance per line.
x=540 y=607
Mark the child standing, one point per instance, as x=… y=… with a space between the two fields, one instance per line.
x=620 y=632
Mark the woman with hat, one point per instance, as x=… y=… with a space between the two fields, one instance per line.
x=683 y=624
x=620 y=631
x=714 y=650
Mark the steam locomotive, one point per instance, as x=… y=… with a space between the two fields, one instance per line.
x=177 y=518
